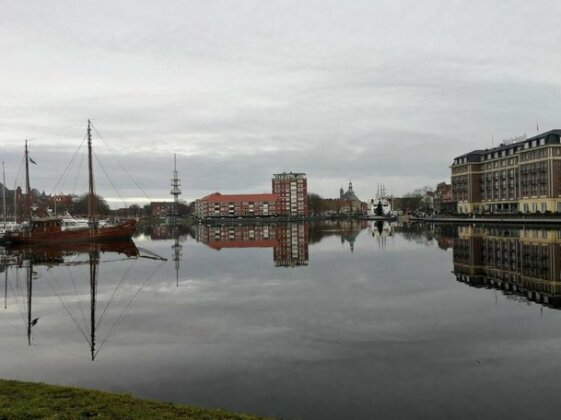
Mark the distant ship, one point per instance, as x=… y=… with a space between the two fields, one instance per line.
x=380 y=207
x=55 y=230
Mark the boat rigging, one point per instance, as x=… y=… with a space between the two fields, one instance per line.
x=50 y=230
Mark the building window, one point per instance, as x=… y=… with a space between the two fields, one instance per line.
x=544 y=207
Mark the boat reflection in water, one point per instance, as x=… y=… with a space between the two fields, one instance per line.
x=289 y=241
x=61 y=267
x=525 y=264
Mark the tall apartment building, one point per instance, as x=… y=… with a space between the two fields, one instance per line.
x=292 y=190
x=523 y=176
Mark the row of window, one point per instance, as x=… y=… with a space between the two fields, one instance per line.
x=510 y=151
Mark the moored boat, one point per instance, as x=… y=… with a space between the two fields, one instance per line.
x=49 y=230
x=54 y=230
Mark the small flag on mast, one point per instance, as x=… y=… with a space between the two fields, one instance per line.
x=32 y=161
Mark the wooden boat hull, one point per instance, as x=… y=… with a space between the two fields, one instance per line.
x=121 y=231
x=55 y=253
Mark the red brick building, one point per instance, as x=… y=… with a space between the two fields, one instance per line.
x=292 y=189
x=237 y=205
x=161 y=208
x=443 y=199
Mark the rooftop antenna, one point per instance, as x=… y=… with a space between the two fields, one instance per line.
x=537 y=127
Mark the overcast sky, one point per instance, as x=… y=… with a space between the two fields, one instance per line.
x=380 y=92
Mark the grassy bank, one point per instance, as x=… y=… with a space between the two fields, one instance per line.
x=25 y=400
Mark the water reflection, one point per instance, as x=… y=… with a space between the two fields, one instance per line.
x=289 y=241
x=345 y=336
x=62 y=268
x=525 y=264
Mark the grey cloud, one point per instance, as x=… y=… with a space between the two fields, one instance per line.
x=375 y=92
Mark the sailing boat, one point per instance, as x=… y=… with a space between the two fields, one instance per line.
x=49 y=230
x=5 y=225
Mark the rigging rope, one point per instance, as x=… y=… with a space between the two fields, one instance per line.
x=121 y=165
x=80 y=167
x=18 y=174
x=77 y=297
x=68 y=311
x=113 y=295
x=125 y=310
x=20 y=303
x=109 y=179
x=66 y=170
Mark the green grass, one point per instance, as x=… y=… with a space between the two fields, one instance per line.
x=25 y=400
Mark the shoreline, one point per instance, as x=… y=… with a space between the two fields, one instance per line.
x=20 y=399
x=489 y=220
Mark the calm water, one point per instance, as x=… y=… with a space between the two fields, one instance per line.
x=327 y=322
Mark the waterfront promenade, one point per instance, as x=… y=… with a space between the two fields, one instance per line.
x=493 y=219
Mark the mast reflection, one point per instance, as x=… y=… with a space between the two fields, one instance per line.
x=522 y=263
x=68 y=255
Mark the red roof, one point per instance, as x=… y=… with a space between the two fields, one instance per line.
x=206 y=197
x=226 y=198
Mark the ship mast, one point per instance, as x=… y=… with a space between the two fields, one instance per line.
x=91 y=196
x=3 y=191
x=27 y=186
x=94 y=261
x=29 y=299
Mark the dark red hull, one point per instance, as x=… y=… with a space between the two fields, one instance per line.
x=121 y=231
x=55 y=253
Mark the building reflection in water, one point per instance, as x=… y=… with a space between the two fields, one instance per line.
x=347 y=230
x=288 y=240
x=523 y=263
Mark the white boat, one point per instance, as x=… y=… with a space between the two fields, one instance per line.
x=71 y=223
x=380 y=207
x=7 y=227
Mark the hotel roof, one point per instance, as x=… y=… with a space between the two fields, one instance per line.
x=504 y=146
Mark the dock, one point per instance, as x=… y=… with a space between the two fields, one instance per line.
x=511 y=220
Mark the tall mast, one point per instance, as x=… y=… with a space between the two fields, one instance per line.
x=91 y=196
x=6 y=287
x=29 y=299
x=4 y=191
x=27 y=186
x=94 y=261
